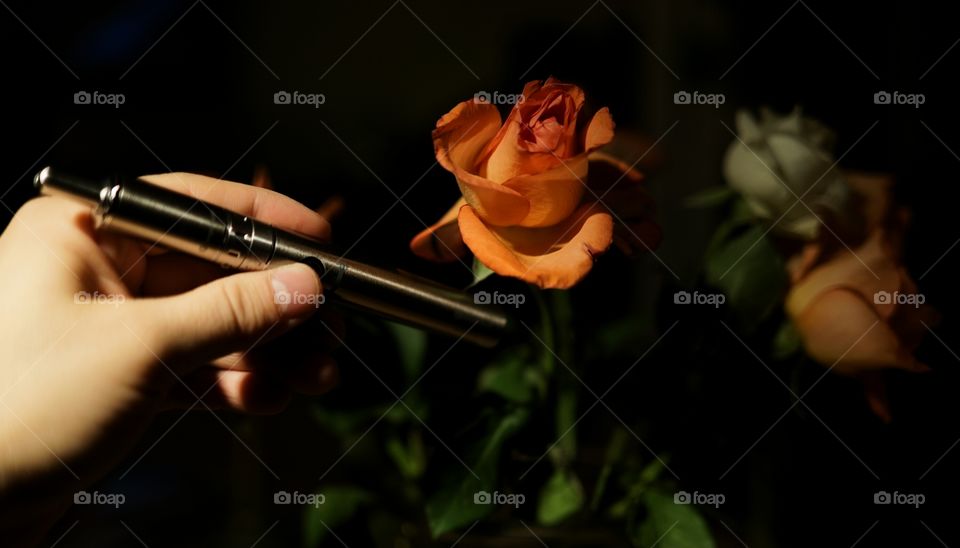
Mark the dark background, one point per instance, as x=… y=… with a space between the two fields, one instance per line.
x=199 y=80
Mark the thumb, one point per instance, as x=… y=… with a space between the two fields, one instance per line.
x=237 y=310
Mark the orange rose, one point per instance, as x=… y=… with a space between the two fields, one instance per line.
x=526 y=210
x=857 y=310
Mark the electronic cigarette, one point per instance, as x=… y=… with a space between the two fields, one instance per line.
x=173 y=220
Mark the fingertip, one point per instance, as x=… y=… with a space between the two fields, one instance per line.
x=296 y=290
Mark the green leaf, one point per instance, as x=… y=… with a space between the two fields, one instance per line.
x=711 y=197
x=670 y=525
x=787 y=341
x=613 y=454
x=636 y=484
x=546 y=333
x=743 y=263
x=565 y=417
x=453 y=505
x=411 y=347
x=480 y=272
x=513 y=376
x=346 y=422
x=340 y=504
x=559 y=498
x=409 y=457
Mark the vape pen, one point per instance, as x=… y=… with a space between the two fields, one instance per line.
x=201 y=229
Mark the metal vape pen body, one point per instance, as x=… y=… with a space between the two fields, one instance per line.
x=159 y=215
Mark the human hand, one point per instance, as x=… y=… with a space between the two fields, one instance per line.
x=100 y=332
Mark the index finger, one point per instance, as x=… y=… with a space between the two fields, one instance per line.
x=259 y=203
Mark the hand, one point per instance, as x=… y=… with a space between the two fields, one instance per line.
x=100 y=332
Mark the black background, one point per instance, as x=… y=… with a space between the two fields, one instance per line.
x=199 y=80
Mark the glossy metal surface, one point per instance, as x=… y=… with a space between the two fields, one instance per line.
x=213 y=233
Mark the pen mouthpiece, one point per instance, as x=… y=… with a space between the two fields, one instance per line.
x=51 y=183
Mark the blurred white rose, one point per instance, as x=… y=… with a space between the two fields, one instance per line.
x=779 y=158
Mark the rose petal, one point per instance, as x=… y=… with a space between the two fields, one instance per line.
x=911 y=322
x=620 y=189
x=459 y=137
x=841 y=329
x=599 y=131
x=507 y=161
x=552 y=194
x=553 y=257
x=848 y=270
x=523 y=146
x=441 y=242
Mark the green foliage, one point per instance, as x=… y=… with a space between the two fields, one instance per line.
x=711 y=197
x=670 y=525
x=514 y=375
x=560 y=497
x=411 y=347
x=409 y=454
x=480 y=272
x=742 y=262
x=453 y=505
x=612 y=456
x=340 y=504
x=786 y=342
x=530 y=390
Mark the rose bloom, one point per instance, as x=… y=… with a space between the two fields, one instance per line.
x=530 y=188
x=849 y=319
x=777 y=158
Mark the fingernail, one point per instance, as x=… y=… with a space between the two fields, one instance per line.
x=296 y=290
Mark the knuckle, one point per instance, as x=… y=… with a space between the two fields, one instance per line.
x=34 y=209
